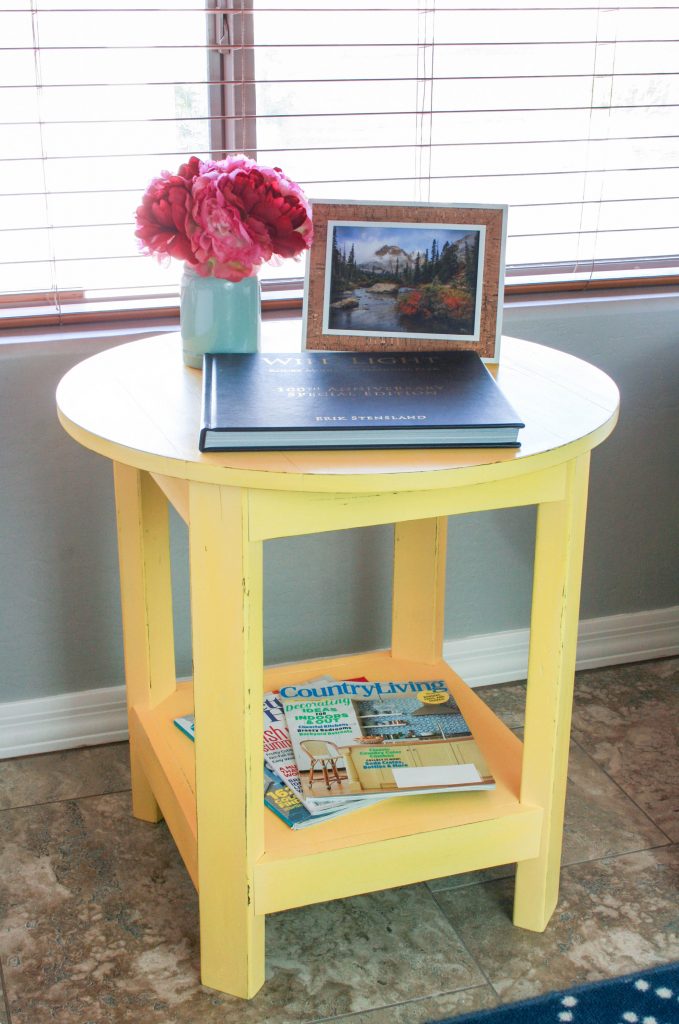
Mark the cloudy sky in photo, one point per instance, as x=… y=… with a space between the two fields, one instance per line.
x=367 y=238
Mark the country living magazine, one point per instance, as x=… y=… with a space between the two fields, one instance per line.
x=381 y=739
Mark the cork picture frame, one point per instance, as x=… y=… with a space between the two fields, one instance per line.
x=388 y=277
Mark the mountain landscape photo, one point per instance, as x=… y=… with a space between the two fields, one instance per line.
x=404 y=279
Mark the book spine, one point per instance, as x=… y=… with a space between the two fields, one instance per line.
x=207 y=408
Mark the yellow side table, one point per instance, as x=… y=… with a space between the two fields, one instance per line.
x=139 y=406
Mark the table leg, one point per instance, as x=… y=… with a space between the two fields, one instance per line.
x=226 y=609
x=551 y=668
x=146 y=598
x=419 y=589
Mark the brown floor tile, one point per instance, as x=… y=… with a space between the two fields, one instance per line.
x=100 y=924
x=100 y=920
x=602 y=816
x=4 y=1019
x=507 y=700
x=614 y=916
x=467 y=878
x=64 y=775
x=422 y=1010
x=627 y=718
x=601 y=821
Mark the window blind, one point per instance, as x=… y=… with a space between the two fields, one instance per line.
x=567 y=112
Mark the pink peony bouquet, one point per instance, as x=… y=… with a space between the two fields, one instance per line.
x=224 y=217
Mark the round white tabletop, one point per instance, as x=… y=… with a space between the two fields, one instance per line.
x=140 y=405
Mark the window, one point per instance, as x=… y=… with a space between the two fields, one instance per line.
x=565 y=111
x=95 y=101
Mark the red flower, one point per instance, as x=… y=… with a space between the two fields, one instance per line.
x=224 y=217
x=266 y=200
x=225 y=243
x=161 y=218
x=280 y=205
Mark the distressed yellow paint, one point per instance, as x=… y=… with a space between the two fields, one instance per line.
x=337 y=873
x=146 y=598
x=419 y=589
x=226 y=605
x=549 y=696
x=419 y=837
x=289 y=514
x=155 y=737
x=176 y=491
x=138 y=405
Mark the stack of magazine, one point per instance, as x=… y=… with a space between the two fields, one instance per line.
x=331 y=747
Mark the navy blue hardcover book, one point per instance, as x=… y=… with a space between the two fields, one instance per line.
x=326 y=400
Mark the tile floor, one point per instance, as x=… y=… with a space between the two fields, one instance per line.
x=98 y=918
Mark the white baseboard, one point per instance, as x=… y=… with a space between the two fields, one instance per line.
x=99 y=716
x=79 y=719
x=610 y=640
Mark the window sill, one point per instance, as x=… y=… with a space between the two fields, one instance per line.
x=105 y=321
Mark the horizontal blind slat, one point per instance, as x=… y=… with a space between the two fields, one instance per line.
x=474 y=44
x=46 y=86
x=432 y=112
x=601 y=184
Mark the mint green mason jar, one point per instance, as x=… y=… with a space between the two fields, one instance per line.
x=218 y=316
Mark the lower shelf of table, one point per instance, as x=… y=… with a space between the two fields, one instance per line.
x=395 y=842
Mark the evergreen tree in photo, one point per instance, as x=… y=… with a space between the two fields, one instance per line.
x=342 y=268
x=426 y=268
x=434 y=258
x=472 y=262
x=352 y=263
x=336 y=266
x=448 y=263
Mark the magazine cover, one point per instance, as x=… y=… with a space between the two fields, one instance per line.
x=278 y=754
x=187 y=724
x=277 y=797
x=381 y=739
x=280 y=758
x=283 y=802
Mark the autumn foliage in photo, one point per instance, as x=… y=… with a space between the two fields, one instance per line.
x=435 y=301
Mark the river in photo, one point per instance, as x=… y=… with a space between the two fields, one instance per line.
x=376 y=311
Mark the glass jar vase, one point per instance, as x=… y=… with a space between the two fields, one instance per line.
x=218 y=316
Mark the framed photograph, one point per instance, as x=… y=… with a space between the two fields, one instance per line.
x=386 y=277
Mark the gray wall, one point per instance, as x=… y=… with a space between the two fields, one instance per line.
x=59 y=602
x=632 y=544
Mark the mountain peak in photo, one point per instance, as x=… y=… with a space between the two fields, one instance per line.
x=391 y=250
x=387 y=258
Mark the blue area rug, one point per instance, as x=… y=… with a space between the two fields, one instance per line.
x=649 y=997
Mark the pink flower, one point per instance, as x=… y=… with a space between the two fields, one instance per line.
x=225 y=217
x=161 y=218
x=265 y=195
x=226 y=244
